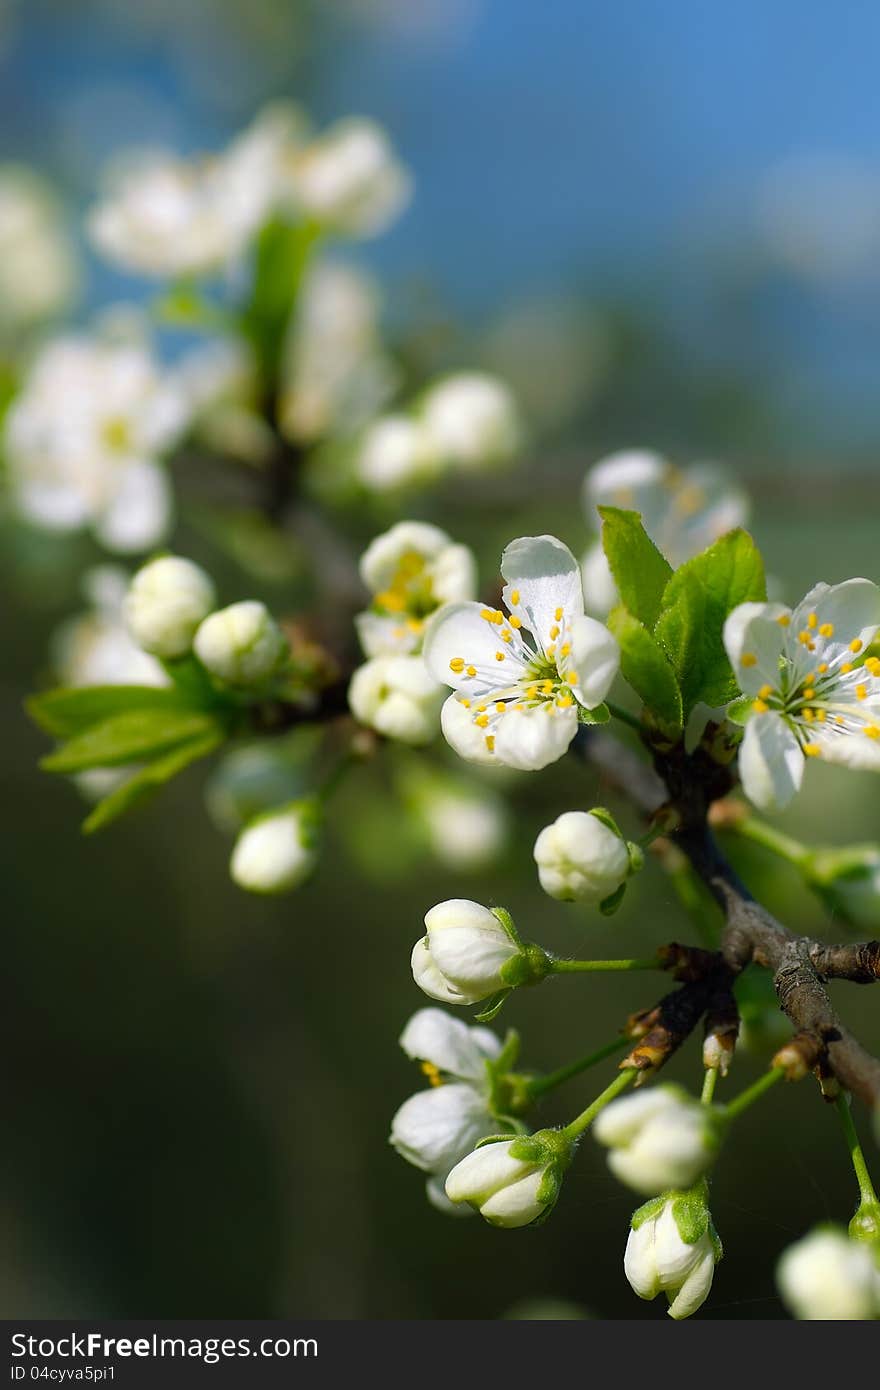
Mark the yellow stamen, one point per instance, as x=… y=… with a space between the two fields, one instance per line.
x=472 y=670
x=765 y=692
x=861 y=692
x=514 y=595
x=856 y=644
x=558 y=615
x=546 y=687
x=392 y=600
x=812 y=750
x=846 y=668
x=432 y=1073
x=490 y=742
x=499 y=656
x=457 y=664
x=500 y=706
x=822 y=667
x=554 y=633
x=871 y=731
x=783 y=620
x=820 y=715
x=760 y=706
x=748 y=659
x=572 y=677
x=826 y=630
x=809 y=694
x=514 y=621
x=565 y=649
x=491 y=615
x=482 y=721
x=812 y=621
x=808 y=715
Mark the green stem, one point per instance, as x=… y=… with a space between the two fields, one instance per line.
x=760 y=833
x=753 y=1093
x=624 y=716
x=687 y=888
x=566 y=967
x=710 y=1080
x=586 y=1117
x=540 y=1085
x=863 y=1177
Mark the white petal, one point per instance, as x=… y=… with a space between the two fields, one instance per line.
x=449 y=1044
x=532 y=738
x=695 y=1289
x=771 y=764
x=620 y=1121
x=462 y=734
x=435 y=1190
x=483 y=1172
x=384 y=636
x=639 y=1264
x=635 y=479
x=853 y=750
x=139 y=513
x=458 y=633
x=754 y=640
x=472 y=961
x=431 y=982
x=595 y=658
x=435 y=1127
x=852 y=608
x=547 y=577
x=600 y=590
x=380 y=560
x=516 y=1204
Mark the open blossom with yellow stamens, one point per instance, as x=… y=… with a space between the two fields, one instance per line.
x=521 y=676
x=814 y=692
x=410 y=570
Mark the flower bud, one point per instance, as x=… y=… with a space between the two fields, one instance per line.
x=512 y=1182
x=242 y=644
x=673 y=1248
x=467 y=954
x=277 y=851
x=659 y=1138
x=397 y=697
x=394 y=453
x=826 y=1277
x=471 y=420
x=166 y=601
x=581 y=858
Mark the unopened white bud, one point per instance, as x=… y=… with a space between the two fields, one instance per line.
x=394 y=452
x=276 y=852
x=165 y=603
x=461 y=959
x=507 y=1189
x=242 y=644
x=828 y=1277
x=659 y=1138
x=673 y=1248
x=581 y=858
x=397 y=697
x=471 y=420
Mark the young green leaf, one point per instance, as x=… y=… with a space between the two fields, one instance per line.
x=148 y=780
x=70 y=710
x=646 y=667
x=696 y=602
x=130 y=738
x=640 y=572
x=600 y=715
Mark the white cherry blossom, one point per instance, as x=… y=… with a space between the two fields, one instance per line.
x=814 y=692
x=85 y=437
x=520 y=677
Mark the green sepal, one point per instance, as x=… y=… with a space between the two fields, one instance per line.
x=691 y=1214
x=494 y=1006
x=600 y=714
x=507 y=922
x=645 y=666
x=529 y=967
x=740 y=711
x=640 y=572
x=608 y=906
x=647 y=1212
x=71 y=710
x=607 y=819
x=132 y=737
x=148 y=780
x=491 y=1139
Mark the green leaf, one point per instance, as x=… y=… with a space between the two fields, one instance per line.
x=646 y=667
x=130 y=738
x=640 y=572
x=696 y=602
x=71 y=710
x=148 y=780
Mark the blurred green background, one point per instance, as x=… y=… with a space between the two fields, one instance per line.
x=200 y=1083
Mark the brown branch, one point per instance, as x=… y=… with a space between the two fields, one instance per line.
x=799 y=964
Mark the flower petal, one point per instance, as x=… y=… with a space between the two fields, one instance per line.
x=530 y=739
x=430 y=980
x=456 y=638
x=639 y=1262
x=547 y=577
x=695 y=1289
x=851 y=608
x=463 y=735
x=449 y=1044
x=754 y=638
x=139 y=513
x=434 y=1128
x=771 y=764
x=594 y=659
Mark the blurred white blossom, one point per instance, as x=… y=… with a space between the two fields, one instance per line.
x=85 y=437
x=410 y=571
x=38 y=268
x=95 y=647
